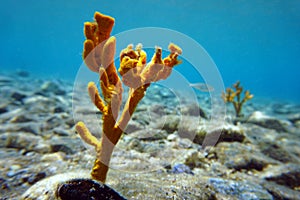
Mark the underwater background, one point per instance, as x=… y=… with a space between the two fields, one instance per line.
x=256 y=42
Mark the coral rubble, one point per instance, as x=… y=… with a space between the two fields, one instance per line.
x=98 y=54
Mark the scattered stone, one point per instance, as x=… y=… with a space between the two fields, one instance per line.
x=239 y=189
x=18 y=96
x=256 y=159
x=52 y=87
x=268 y=122
x=223 y=133
x=21 y=118
x=193 y=110
x=277 y=152
x=36 y=177
x=149 y=134
x=287 y=175
x=28 y=127
x=4 y=80
x=195 y=159
x=25 y=141
x=61 y=132
x=3 y=109
x=280 y=192
x=170 y=124
x=59 y=109
x=132 y=127
x=240 y=156
x=181 y=168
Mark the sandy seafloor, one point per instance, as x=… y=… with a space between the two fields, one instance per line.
x=256 y=158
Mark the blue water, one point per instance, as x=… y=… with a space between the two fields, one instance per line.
x=256 y=42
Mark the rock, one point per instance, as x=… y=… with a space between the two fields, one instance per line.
x=135 y=144
x=195 y=159
x=62 y=148
x=3 y=109
x=53 y=122
x=171 y=123
x=132 y=127
x=39 y=104
x=86 y=189
x=277 y=152
x=284 y=109
x=5 y=80
x=24 y=141
x=59 y=109
x=172 y=137
x=181 y=168
x=29 y=127
x=61 y=132
x=280 y=192
x=149 y=134
x=240 y=156
x=72 y=185
x=18 y=96
x=66 y=144
x=188 y=127
x=239 y=189
x=287 y=175
x=21 y=118
x=36 y=177
x=268 y=122
x=52 y=87
x=223 y=133
x=294 y=118
x=193 y=110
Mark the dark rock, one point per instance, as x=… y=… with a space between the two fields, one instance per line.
x=21 y=118
x=86 y=189
x=224 y=133
x=25 y=141
x=4 y=184
x=52 y=122
x=239 y=189
x=268 y=122
x=286 y=108
x=132 y=127
x=52 y=87
x=280 y=192
x=195 y=159
x=193 y=110
x=59 y=109
x=67 y=145
x=3 y=109
x=5 y=80
x=276 y=152
x=18 y=96
x=62 y=148
x=241 y=156
x=287 y=175
x=60 y=131
x=29 y=127
x=294 y=118
x=36 y=177
x=135 y=144
x=171 y=123
x=149 y=134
